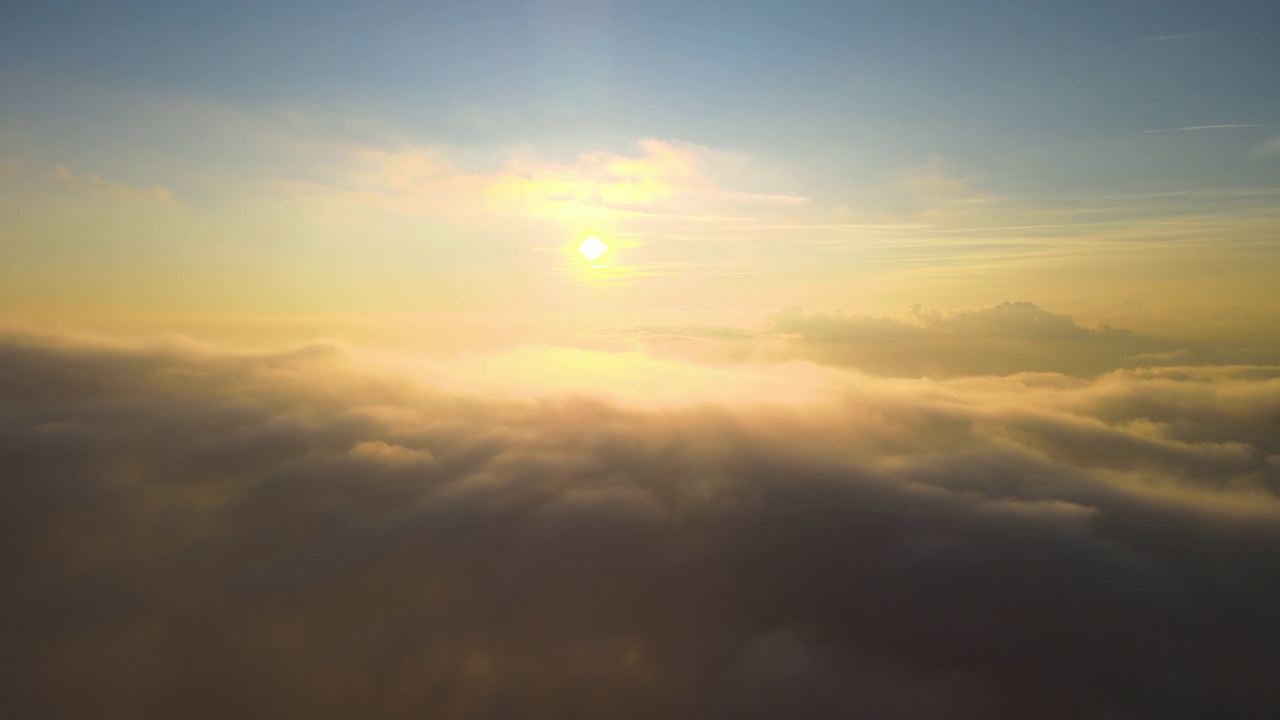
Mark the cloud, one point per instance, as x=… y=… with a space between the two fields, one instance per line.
x=1002 y=339
x=663 y=178
x=1021 y=320
x=22 y=177
x=1168 y=38
x=658 y=190
x=1227 y=126
x=190 y=530
x=928 y=193
x=93 y=183
x=1270 y=148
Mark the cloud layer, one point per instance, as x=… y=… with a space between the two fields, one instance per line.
x=1010 y=337
x=200 y=533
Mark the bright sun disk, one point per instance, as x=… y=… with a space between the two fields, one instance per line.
x=592 y=248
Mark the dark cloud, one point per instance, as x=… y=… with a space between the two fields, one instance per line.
x=196 y=533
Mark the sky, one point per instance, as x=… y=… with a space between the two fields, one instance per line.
x=930 y=369
x=319 y=159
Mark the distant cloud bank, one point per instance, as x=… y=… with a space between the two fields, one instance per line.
x=1003 y=339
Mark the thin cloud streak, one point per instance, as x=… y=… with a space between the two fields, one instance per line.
x=1224 y=126
x=1166 y=38
x=1270 y=148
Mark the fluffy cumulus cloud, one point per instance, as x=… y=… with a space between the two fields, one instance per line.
x=193 y=532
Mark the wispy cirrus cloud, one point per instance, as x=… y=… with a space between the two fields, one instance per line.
x=662 y=178
x=1222 y=126
x=25 y=177
x=1169 y=38
x=1270 y=148
x=92 y=182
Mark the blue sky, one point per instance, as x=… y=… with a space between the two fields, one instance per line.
x=960 y=79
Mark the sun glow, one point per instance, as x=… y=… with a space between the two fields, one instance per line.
x=592 y=248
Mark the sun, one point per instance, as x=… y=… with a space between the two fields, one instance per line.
x=592 y=248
